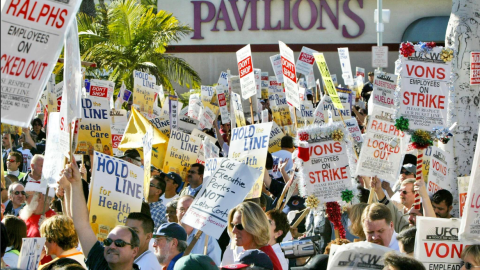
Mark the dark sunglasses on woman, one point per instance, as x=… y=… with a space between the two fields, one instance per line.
x=238 y=226
x=468 y=265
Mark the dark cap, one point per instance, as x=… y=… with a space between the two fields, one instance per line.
x=318 y=262
x=175 y=177
x=131 y=153
x=253 y=257
x=371 y=73
x=410 y=168
x=195 y=261
x=171 y=229
x=153 y=168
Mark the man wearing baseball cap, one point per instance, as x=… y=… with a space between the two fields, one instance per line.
x=252 y=257
x=170 y=243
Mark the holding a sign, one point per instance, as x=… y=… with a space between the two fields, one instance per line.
x=289 y=76
x=245 y=72
x=226 y=185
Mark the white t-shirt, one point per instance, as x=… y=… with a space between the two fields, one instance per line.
x=281 y=257
x=148 y=261
x=278 y=157
x=10 y=258
x=27 y=158
x=165 y=200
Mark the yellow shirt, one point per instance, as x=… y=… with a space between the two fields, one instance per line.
x=94 y=228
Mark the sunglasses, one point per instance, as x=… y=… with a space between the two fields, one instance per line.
x=405 y=172
x=119 y=243
x=12 y=160
x=468 y=265
x=152 y=185
x=404 y=192
x=20 y=192
x=238 y=226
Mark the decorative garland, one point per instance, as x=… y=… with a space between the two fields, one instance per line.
x=334 y=213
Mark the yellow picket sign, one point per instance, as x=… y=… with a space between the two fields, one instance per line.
x=327 y=79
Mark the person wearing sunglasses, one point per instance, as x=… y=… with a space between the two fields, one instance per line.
x=17 y=196
x=122 y=243
x=14 y=162
x=249 y=228
x=195 y=180
x=157 y=207
x=470 y=258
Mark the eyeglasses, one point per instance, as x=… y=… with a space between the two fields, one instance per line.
x=238 y=226
x=152 y=185
x=119 y=243
x=468 y=265
x=404 y=192
x=20 y=192
x=12 y=160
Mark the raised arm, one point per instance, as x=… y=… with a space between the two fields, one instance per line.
x=28 y=137
x=80 y=212
x=427 y=204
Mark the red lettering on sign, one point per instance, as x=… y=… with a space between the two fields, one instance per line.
x=426 y=72
x=326 y=149
x=307 y=58
x=443 y=250
x=98 y=91
x=328 y=175
x=28 y=11
x=245 y=67
x=424 y=100
x=288 y=69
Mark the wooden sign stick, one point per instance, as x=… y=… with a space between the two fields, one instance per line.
x=251 y=112
x=192 y=244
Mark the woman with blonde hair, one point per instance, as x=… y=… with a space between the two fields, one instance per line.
x=16 y=230
x=470 y=257
x=355 y=216
x=62 y=239
x=248 y=227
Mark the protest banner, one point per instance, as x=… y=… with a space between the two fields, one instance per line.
x=210 y=150
x=249 y=145
x=289 y=75
x=327 y=79
x=438 y=171
x=116 y=190
x=147 y=160
x=207 y=93
x=101 y=88
x=246 y=108
x=227 y=184
x=424 y=92
x=305 y=61
x=185 y=123
x=117 y=135
x=360 y=72
x=245 y=71
x=222 y=104
x=354 y=129
x=280 y=109
x=345 y=65
x=334 y=114
x=462 y=192
x=30 y=254
x=182 y=151
x=238 y=110
x=384 y=85
x=470 y=227
x=275 y=138
x=173 y=111
x=327 y=172
x=305 y=114
x=132 y=138
x=144 y=98
x=94 y=127
x=320 y=114
x=194 y=106
x=276 y=61
x=201 y=153
x=377 y=157
x=27 y=65
x=359 y=255
x=474 y=68
x=53 y=162
x=437 y=244
x=208 y=116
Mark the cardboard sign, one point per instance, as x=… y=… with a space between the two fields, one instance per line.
x=236 y=88
x=305 y=61
x=147 y=159
x=194 y=106
x=377 y=157
x=336 y=115
x=384 y=85
x=354 y=129
x=29 y=257
x=276 y=61
x=289 y=75
x=305 y=114
x=329 y=85
x=437 y=244
x=245 y=71
x=182 y=151
x=275 y=139
x=238 y=110
x=345 y=65
x=380 y=56
x=280 y=109
x=360 y=72
x=94 y=127
x=208 y=116
x=424 y=92
x=101 y=88
x=470 y=227
x=210 y=149
x=438 y=171
x=222 y=104
x=359 y=255
x=144 y=98
x=117 y=135
x=116 y=191
x=28 y=63
x=227 y=184
x=53 y=162
x=249 y=145
x=462 y=192
x=211 y=140
x=327 y=172
x=207 y=93
x=474 y=68
x=185 y=123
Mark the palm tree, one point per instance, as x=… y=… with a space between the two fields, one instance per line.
x=128 y=36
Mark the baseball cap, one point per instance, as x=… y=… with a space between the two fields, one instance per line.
x=371 y=73
x=171 y=229
x=131 y=153
x=195 y=261
x=251 y=257
x=175 y=177
x=318 y=262
x=410 y=168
